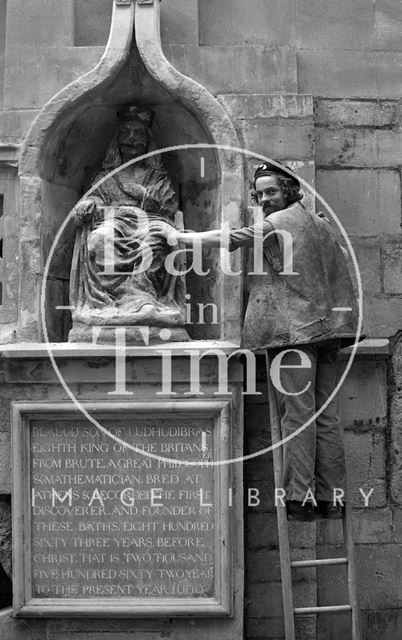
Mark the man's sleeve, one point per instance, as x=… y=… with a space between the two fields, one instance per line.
x=248 y=236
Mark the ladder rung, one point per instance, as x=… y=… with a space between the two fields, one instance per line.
x=336 y=608
x=318 y=562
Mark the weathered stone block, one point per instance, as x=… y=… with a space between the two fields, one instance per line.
x=387 y=25
x=237 y=69
x=34 y=74
x=18 y=629
x=358 y=148
x=233 y=22
x=363 y=396
x=379 y=568
x=179 y=22
x=282 y=140
x=397 y=525
x=262 y=530
x=264 y=627
x=15 y=124
x=357 y=197
x=259 y=435
x=58 y=322
x=325 y=24
x=393 y=267
x=365 y=455
x=257 y=416
x=43 y=22
x=5 y=462
x=92 y=19
x=329 y=534
x=30 y=268
x=385 y=624
x=306 y=627
x=332 y=579
x=127 y=629
x=334 y=73
x=382 y=316
x=370 y=526
x=263 y=566
x=396 y=447
x=368 y=257
x=30 y=206
x=304 y=593
x=259 y=469
x=353 y=112
x=9 y=246
x=257 y=106
x=302 y=535
x=303 y=573
x=373 y=526
x=264 y=600
x=396 y=362
x=58 y=202
x=332 y=627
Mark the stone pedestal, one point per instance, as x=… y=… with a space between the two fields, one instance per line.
x=150 y=533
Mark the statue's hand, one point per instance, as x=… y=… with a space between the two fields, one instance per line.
x=84 y=211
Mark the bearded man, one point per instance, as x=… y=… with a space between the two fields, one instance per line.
x=301 y=310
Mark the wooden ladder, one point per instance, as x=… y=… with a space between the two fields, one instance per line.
x=290 y=611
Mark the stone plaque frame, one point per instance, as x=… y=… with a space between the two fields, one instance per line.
x=27 y=605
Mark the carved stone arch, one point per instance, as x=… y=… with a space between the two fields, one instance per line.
x=67 y=142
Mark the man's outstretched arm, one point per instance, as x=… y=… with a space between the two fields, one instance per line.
x=233 y=239
x=211 y=238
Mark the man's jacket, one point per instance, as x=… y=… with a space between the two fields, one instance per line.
x=302 y=291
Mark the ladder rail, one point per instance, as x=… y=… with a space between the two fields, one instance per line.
x=283 y=534
x=289 y=611
x=327 y=608
x=352 y=582
x=318 y=562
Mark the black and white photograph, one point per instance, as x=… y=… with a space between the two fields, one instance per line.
x=200 y=320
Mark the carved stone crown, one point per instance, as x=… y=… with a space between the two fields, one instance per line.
x=142 y=114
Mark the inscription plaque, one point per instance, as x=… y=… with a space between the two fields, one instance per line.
x=102 y=529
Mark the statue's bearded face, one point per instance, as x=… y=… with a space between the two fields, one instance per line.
x=132 y=139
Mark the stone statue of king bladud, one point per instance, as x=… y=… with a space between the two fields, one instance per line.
x=119 y=275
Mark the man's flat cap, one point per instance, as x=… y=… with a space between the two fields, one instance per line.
x=268 y=169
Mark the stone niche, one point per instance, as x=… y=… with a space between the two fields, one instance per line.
x=67 y=143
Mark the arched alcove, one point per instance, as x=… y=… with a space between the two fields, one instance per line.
x=67 y=143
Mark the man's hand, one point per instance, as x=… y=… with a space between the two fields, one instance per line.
x=166 y=231
x=84 y=211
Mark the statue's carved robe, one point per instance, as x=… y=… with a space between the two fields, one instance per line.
x=137 y=295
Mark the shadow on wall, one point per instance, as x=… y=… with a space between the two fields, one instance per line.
x=6 y=597
x=5 y=552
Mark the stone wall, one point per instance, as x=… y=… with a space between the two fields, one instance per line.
x=358 y=171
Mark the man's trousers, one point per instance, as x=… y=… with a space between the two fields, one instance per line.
x=314 y=458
